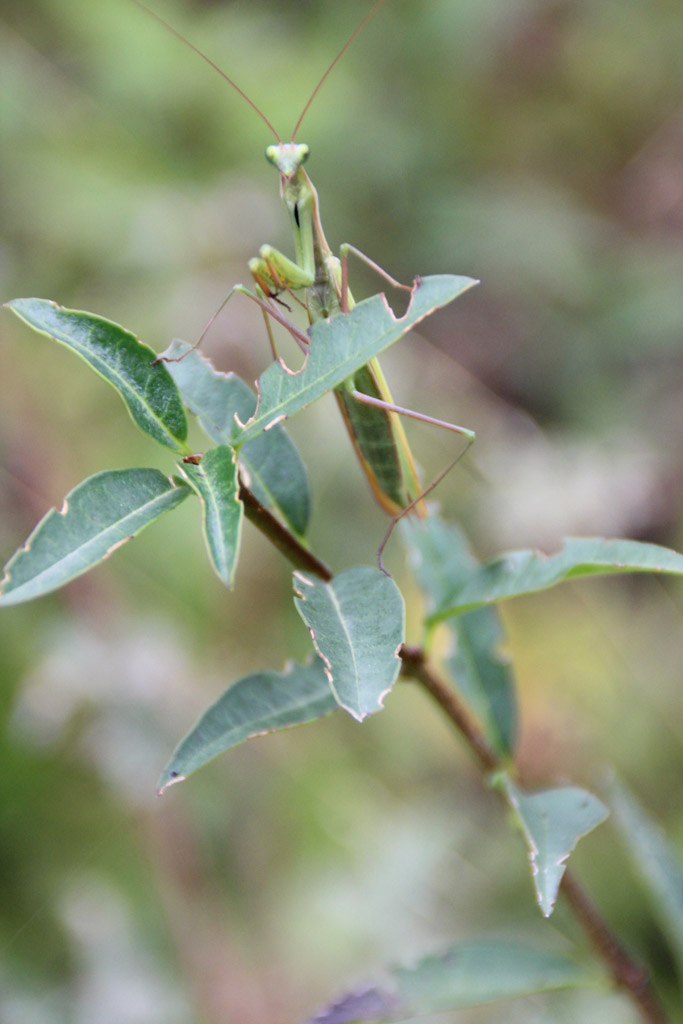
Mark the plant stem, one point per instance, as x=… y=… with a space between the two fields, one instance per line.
x=416 y=667
x=626 y=972
x=286 y=542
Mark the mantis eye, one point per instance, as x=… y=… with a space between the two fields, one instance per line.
x=272 y=154
x=304 y=153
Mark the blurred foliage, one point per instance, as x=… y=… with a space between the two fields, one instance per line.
x=536 y=144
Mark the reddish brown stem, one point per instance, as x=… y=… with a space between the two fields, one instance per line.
x=626 y=972
x=286 y=542
x=416 y=666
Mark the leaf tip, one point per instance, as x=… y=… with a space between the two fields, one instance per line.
x=171 y=780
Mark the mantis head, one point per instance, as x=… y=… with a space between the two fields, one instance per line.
x=287 y=157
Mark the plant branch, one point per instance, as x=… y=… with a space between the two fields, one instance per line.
x=626 y=972
x=286 y=542
x=415 y=666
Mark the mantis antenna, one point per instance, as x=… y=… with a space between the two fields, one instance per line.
x=181 y=37
x=359 y=28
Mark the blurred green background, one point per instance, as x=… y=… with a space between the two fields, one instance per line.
x=534 y=144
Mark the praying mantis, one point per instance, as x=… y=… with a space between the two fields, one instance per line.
x=317 y=279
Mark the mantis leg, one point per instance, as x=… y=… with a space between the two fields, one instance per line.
x=347 y=249
x=379 y=403
x=464 y=432
x=205 y=329
x=420 y=498
x=274 y=272
x=299 y=336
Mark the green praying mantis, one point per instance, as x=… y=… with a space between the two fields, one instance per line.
x=317 y=280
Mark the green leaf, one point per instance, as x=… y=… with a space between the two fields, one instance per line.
x=483 y=675
x=215 y=481
x=256 y=704
x=441 y=559
x=552 y=822
x=98 y=516
x=656 y=861
x=440 y=556
x=116 y=355
x=357 y=625
x=466 y=975
x=277 y=474
x=522 y=572
x=340 y=346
